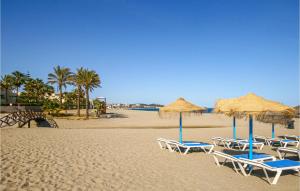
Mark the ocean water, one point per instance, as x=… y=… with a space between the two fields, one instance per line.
x=145 y=109
x=209 y=110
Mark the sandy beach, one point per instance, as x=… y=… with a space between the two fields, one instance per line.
x=122 y=154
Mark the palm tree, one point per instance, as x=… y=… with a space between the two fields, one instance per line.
x=6 y=83
x=78 y=82
x=90 y=80
x=61 y=77
x=36 y=90
x=18 y=80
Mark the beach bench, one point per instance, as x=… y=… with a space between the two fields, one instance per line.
x=275 y=166
x=235 y=158
x=283 y=151
x=186 y=146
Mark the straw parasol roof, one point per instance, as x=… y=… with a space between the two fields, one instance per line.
x=251 y=104
x=181 y=105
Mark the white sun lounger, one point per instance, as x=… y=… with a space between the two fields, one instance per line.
x=244 y=144
x=266 y=140
x=283 y=142
x=218 y=140
x=293 y=137
x=188 y=145
x=226 y=142
x=275 y=166
x=282 y=152
x=235 y=158
x=162 y=142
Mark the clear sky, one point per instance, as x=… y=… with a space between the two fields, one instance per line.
x=153 y=51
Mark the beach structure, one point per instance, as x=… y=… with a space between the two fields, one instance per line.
x=252 y=106
x=181 y=107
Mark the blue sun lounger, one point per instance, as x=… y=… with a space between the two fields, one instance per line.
x=275 y=166
x=235 y=158
x=188 y=145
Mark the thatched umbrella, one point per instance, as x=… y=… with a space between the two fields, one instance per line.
x=250 y=106
x=219 y=104
x=180 y=106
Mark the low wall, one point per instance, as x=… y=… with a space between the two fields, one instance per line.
x=10 y=109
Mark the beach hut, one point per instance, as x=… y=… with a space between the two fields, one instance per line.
x=250 y=106
x=180 y=106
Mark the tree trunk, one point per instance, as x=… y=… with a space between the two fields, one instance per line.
x=17 y=95
x=87 y=103
x=6 y=96
x=78 y=100
x=60 y=96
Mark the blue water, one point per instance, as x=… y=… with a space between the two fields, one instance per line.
x=145 y=109
x=209 y=110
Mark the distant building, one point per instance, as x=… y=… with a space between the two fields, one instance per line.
x=54 y=97
x=129 y=106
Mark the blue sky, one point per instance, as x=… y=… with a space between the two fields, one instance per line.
x=155 y=51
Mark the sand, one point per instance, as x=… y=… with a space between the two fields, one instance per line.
x=106 y=154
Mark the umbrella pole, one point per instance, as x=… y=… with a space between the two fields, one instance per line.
x=250 y=137
x=180 y=127
x=273 y=131
x=234 y=129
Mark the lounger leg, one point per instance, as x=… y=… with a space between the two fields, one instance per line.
x=160 y=145
x=261 y=147
x=187 y=150
x=266 y=174
x=224 y=162
x=211 y=149
x=242 y=169
x=178 y=149
x=170 y=148
x=244 y=147
x=279 y=155
x=234 y=166
x=203 y=148
x=276 y=177
x=225 y=144
x=297 y=144
x=284 y=145
x=216 y=161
